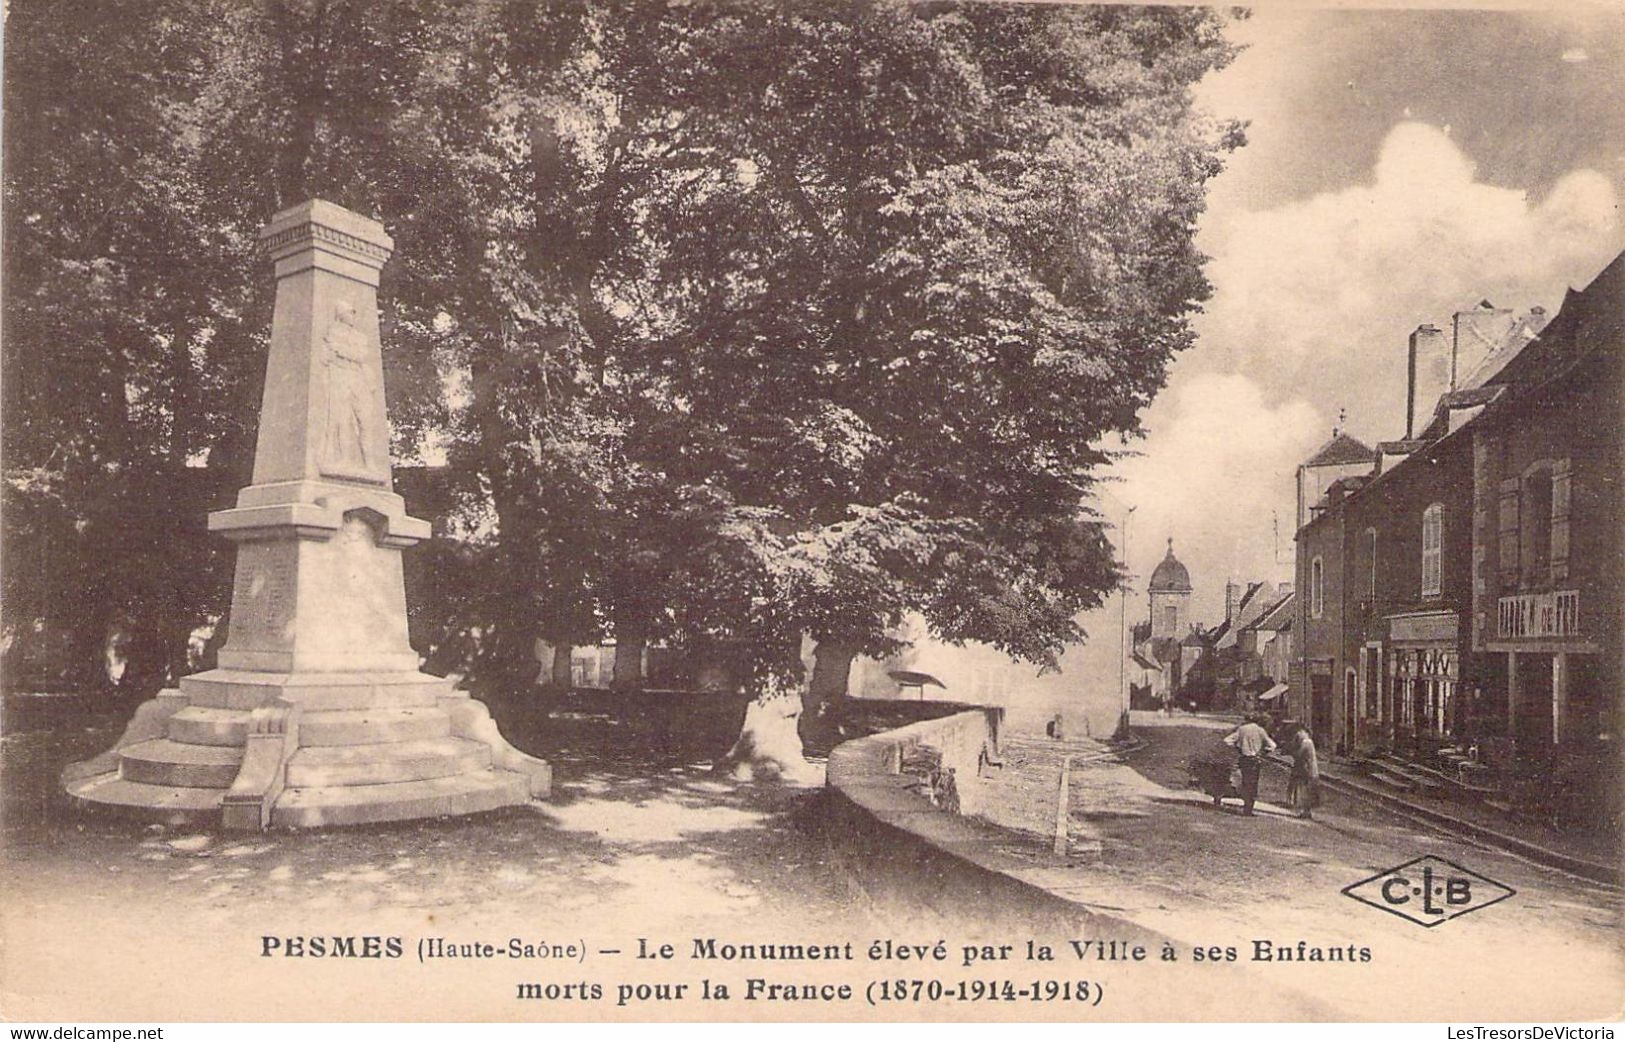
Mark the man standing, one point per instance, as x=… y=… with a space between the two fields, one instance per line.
x=1251 y=742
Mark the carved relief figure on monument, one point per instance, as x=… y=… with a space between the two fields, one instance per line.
x=344 y=354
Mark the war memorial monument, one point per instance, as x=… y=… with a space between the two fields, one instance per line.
x=317 y=713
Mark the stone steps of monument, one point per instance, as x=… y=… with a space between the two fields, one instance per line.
x=317 y=692
x=163 y=761
x=172 y=804
x=202 y=725
x=361 y=804
x=373 y=726
x=386 y=763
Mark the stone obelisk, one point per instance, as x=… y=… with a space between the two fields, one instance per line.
x=317 y=714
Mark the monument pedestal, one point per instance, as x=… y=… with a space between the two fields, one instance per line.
x=318 y=714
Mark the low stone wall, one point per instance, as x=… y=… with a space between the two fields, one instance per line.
x=700 y=723
x=696 y=723
x=926 y=765
x=928 y=759
x=971 y=872
x=884 y=821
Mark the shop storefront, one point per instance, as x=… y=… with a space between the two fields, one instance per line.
x=1424 y=681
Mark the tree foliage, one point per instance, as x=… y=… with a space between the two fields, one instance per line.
x=735 y=321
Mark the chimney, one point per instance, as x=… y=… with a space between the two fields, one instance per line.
x=1232 y=598
x=1390 y=453
x=1430 y=361
x=1514 y=337
x=1477 y=333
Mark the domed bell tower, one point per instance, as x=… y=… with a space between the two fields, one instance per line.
x=1170 y=594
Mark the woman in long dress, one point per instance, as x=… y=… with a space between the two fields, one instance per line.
x=1303 y=786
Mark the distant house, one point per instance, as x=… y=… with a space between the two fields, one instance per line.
x=1270 y=636
x=1341 y=457
x=1319 y=640
x=1192 y=648
x=1228 y=665
x=1145 y=677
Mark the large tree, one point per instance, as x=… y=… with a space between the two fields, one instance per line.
x=919 y=261
x=146 y=144
x=739 y=322
x=127 y=358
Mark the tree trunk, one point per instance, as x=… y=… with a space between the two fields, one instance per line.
x=562 y=679
x=821 y=701
x=146 y=666
x=769 y=747
x=628 y=674
x=304 y=79
x=507 y=656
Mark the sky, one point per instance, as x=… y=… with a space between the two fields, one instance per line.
x=1400 y=166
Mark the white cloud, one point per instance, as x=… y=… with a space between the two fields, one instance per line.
x=1215 y=474
x=1313 y=302
x=1318 y=295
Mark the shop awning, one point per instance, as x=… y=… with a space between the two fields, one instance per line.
x=1273 y=693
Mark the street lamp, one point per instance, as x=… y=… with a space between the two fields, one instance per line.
x=1122 y=633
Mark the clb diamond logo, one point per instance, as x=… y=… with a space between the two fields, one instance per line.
x=1429 y=891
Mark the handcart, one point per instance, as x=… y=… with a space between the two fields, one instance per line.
x=1217 y=776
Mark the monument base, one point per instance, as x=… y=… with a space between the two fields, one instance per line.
x=265 y=750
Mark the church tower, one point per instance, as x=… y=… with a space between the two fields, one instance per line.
x=1170 y=593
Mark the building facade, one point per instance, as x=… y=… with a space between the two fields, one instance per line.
x=1459 y=603
x=1270 y=637
x=1320 y=640
x=1407 y=600
x=1547 y=474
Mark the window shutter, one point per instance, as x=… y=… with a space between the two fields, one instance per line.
x=1507 y=532
x=1560 y=521
x=1529 y=552
x=1432 y=549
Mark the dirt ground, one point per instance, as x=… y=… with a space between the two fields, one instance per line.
x=639 y=839
x=642 y=845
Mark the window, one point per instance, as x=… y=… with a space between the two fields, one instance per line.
x=1371 y=682
x=1170 y=620
x=1407 y=692
x=1317 y=591
x=1561 y=499
x=1432 y=674
x=1543 y=523
x=1507 y=531
x=1371 y=575
x=1432 y=549
x=1535 y=527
